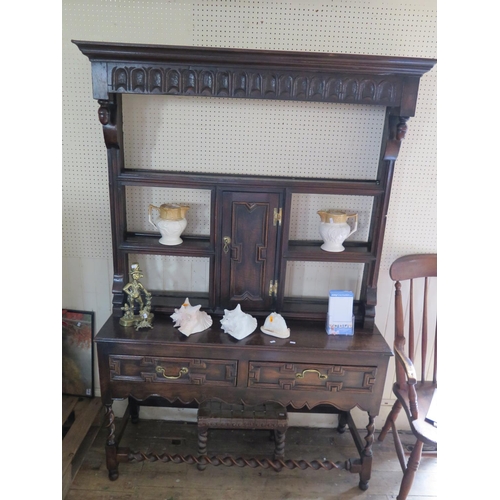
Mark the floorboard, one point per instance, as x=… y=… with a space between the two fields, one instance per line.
x=167 y=481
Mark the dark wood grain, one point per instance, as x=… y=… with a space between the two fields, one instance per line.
x=221 y=72
x=169 y=178
x=119 y=68
x=309 y=369
x=313 y=61
x=304 y=335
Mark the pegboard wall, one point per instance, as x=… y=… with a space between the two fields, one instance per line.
x=199 y=134
x=316 y=279
x=139 y=199
x=172 y=273
x=224 y=135
x=304 y=218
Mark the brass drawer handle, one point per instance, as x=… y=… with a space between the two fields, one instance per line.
x=301 y=375
x=182 y=372
x=227 y=241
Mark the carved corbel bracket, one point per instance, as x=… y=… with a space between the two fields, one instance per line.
x=108 y=116
x=368 y=307
x=397 y=132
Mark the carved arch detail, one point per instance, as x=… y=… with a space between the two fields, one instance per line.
x=255 y=84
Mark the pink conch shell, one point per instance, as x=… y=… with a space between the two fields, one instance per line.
x=237 y=323
x=189 y=319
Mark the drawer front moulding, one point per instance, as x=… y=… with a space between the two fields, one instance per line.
x=309 y=377
x=190 y=371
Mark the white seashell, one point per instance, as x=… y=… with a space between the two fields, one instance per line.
x=237 y=323
x=275 y=325
x=189 y=319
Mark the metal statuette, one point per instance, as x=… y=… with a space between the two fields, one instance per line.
x=137 y=309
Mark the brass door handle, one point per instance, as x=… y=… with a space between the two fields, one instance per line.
x=227 y=241
x=182 y=372
x=301 y=375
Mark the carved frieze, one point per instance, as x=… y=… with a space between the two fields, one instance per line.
x=160 y=79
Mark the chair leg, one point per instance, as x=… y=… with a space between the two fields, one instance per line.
x=400 y=452
x=411 y=469
x=391 y=420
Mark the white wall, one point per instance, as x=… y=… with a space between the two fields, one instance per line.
x=398 y=28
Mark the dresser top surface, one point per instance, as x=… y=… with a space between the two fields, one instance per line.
x=303 y=335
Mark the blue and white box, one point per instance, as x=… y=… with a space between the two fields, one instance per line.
x=340 y=318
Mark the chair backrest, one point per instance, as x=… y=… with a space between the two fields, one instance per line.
x=412 y=268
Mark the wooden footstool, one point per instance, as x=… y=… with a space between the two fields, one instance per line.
x=217 y=415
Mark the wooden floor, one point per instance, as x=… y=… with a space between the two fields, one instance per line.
x=168 y=481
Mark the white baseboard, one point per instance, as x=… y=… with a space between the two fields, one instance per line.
x=315 y=420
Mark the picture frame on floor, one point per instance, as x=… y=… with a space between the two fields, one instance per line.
x=77 y=353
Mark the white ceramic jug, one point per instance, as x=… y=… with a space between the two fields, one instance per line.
x=171 y=223
x=334 y=229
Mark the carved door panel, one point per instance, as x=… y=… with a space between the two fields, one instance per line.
x=249 y=267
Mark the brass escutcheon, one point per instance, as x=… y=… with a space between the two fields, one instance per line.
x=182 y=372
x=227 y=241
x=301 y=375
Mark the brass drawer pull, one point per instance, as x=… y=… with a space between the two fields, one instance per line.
x=301 y=375
x=182 y=372
x=227 y=242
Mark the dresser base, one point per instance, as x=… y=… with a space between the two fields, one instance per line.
x=116 y=454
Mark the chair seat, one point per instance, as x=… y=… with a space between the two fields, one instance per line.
x=423 y=430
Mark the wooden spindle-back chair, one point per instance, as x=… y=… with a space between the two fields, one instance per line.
x=414 y=392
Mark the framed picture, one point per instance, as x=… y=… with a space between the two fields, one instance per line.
x=77 y=353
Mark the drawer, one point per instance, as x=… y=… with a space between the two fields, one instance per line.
x=311 y=377
x=162 y=370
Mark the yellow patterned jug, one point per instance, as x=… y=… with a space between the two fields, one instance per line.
x=334 y=229
x=171 y=222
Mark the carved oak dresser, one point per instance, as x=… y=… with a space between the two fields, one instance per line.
x=248 y=248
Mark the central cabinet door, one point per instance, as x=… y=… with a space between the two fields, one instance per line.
x=249 y=267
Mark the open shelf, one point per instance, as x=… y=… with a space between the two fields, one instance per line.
x=148 y=243
x=311 y=251
x=249 y=246
x=313 y=309
x=165 y=302
x=167 y=178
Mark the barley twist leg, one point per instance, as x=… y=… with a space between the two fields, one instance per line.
x=367 y=455
x=279 y=447
x=111 y=458
x=202 y=445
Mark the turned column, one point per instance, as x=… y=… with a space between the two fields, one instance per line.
x=367 y=455
x=111 y=447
